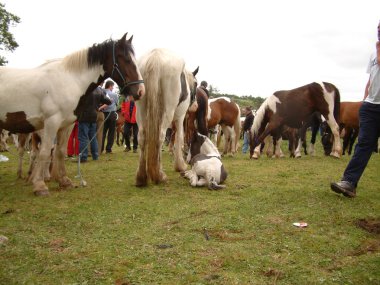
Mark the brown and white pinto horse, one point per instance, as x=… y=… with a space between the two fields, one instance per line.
x=169 y=88
x=51 y=96
x=293 y=107
x=226 y=113
x=196 y=120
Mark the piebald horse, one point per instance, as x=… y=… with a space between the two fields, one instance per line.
x=169 y=87
x=51 y=96
x=293 y=107
x=227 y=114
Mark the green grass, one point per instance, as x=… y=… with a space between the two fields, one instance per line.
x=112 y=232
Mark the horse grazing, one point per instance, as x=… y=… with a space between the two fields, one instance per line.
x=227 y=114
x=293 y=107
x=51 y=96
x=348 y=126
x=169 y=88
x=206 y=165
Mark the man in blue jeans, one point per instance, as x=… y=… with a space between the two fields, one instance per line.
x=369 y=129
x=87 y=122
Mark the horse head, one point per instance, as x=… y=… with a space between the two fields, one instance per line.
x=121 y=66
x=327 y=138
x=201 y=144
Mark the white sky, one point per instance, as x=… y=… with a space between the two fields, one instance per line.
x=242 y=47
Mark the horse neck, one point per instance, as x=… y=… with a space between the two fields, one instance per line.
x=208 y=148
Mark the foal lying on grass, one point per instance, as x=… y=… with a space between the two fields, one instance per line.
x=206 y=165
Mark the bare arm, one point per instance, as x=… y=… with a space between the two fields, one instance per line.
x=366 y=90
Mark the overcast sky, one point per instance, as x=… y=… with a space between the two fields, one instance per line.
x=242 y=47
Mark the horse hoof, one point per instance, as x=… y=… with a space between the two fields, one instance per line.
x=335 y=154
x=65 y=183
x=41 y=192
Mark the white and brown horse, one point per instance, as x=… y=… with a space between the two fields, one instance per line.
x=48 y=97
x=206 y=164
x=293 y=107
x=169 y=87
x=226 y=113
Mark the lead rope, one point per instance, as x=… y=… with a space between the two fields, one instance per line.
x=83 y=183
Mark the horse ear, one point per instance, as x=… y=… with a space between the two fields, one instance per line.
x=130 y=40
x=196 y=71
x=123 y=38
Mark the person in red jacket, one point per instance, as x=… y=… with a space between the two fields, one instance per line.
x=128 y=110
x=73 y=143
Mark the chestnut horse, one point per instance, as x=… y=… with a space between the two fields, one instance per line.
x=349 y=126
x=51 y=96
x=293 y=107
x=169 y=88
x=227 y=114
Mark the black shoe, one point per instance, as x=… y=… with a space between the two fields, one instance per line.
x=135 y=150
x=127 y=149
x=345 y=188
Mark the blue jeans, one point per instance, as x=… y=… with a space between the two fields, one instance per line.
x=86 y=132
x=369 y=131
x=245 y=147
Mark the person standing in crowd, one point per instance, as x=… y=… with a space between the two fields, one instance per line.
x=128 y=110
x=99 y=119
x=247 y=125
x=110 y=117
x=204 y=88
x=87 y=123
x=73 y=143
x=369 y=129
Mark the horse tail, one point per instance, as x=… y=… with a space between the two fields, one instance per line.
x=154 y=105
x=237 y=128
x=202 y=112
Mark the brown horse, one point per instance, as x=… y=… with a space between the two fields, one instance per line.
x=226 y=113
x=348 y=126
x=196 y=120
x=120 y=128
x=293 y=107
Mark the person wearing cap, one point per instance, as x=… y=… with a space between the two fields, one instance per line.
x=204 y=87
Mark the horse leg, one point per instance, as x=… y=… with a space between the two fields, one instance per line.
x=354 y=135
x=22 y=138
x=277 y=148
x=44 y=159
x=141 y=174
x=59 y=169
x=337 y=147
x=179 y=162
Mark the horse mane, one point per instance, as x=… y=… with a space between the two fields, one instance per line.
x=259 y=117
x=95 y=55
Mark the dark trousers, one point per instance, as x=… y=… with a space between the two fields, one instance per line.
x=87 y=132
x=109 y=130
x=369 y=132
x=128 y=127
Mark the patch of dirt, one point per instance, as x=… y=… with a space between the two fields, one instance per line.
x=57 y=245
x=122 y=282
x=367 y=246
x=226 y=235
x=277 y=274
x=371 y=225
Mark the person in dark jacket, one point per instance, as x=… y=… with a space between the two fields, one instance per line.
x=247 y=125
x=87 y=123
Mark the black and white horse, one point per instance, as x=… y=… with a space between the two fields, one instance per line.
x=206 y=164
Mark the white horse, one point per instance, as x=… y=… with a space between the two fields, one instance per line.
x=169 y=87
x=50 y=97
x=206 y=164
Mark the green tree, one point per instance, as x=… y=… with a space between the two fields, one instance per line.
x=7 y=41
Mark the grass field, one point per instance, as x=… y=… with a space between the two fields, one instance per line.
x=111 y=232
